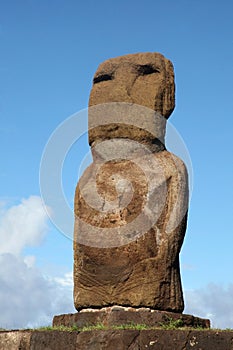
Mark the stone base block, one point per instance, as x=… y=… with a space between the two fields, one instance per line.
x=118 y=315
x=117 y=340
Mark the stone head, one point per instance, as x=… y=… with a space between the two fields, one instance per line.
x=144 y=79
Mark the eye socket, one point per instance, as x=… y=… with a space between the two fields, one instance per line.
x=102 y=77
x=147 y=69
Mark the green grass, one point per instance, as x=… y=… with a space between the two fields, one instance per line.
x=138 y=327
x=98 y=326
x=170 y=324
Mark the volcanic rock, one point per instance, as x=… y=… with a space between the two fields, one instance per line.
x=131 y=202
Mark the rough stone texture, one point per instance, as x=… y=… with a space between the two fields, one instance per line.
x=55 y=340
x=15 y=340
x=131 y=203
x=145 y=79
x=119 y=340
x=117 y=315
x=144 y=272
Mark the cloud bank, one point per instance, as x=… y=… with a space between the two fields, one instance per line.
x=22 y=225
x=214 y=302
x=27 y=297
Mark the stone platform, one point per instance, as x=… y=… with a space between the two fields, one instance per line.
x=118 y=315
x=117 y=340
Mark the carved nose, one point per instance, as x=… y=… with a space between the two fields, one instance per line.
x=125 y=78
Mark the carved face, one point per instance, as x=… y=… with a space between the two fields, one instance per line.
x=145 y=79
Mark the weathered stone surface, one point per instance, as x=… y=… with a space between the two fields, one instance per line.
x=12 y=340
x=55 y=340
x=116 y=316
x=145 y=79
x=131 y=203
x=144 y=272
x=119 y=340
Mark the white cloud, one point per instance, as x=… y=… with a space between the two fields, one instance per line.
x=22 y=225
x=214 y=302
x=29 y=260
x=67 y=280
x=27 y=297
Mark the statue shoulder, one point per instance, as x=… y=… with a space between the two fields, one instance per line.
x=173 y=164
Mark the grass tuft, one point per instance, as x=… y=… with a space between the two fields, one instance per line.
x=170 y=324
x=133 y=326
x=98 y=326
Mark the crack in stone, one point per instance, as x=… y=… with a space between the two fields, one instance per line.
x=187 y=340
x=131 y=345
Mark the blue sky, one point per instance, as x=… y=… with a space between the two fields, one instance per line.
x=49 y=53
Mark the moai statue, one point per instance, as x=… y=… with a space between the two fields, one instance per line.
x=131 y=203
